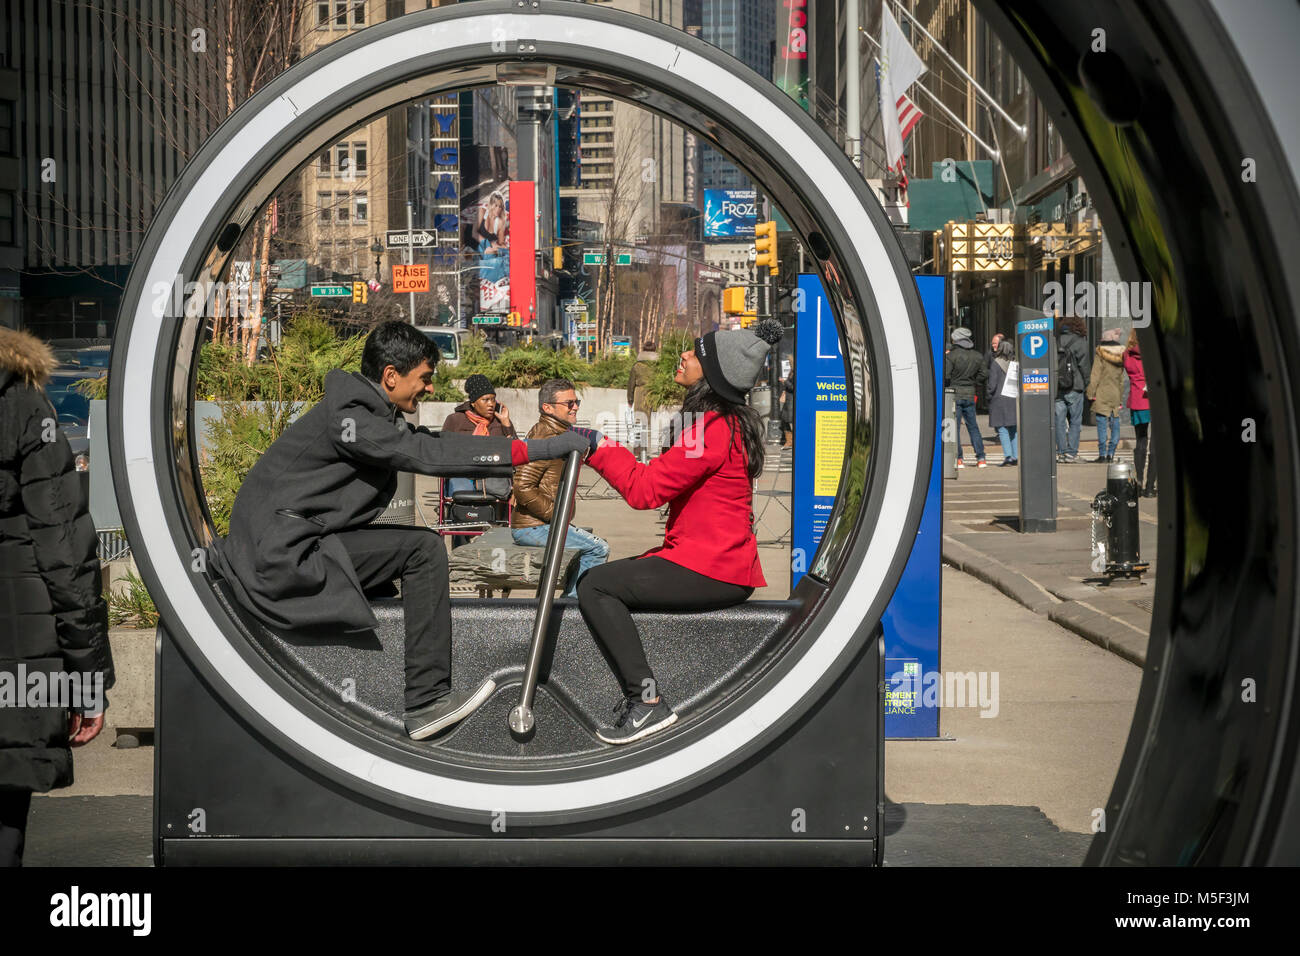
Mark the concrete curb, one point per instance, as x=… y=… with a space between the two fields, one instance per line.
x=1075 y=616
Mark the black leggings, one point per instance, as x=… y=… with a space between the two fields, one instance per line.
x=1141 y=450
x=607 y=595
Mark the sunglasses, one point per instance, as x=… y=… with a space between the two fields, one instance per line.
x=571 y=403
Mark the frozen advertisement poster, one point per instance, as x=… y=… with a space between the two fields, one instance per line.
x=489 y=246
x=730 y=213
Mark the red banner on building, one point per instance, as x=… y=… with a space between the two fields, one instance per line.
x=523 y=249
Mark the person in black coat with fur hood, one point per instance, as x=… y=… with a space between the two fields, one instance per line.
x=55 y=662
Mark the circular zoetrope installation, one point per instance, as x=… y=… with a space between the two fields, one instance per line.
x=824 y=197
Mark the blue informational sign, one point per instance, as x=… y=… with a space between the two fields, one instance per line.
x=820 y=423
x=911 y=620
x=730 y=213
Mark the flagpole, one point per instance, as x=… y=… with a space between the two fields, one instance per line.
x=996 y=154
x=1022 y=131
x=853 y=94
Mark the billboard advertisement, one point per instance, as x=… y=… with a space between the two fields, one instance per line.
x=485 y=217
x=791 y=67
x=487 y=166
x=730 y=213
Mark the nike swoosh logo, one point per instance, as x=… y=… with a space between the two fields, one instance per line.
x=637 y=723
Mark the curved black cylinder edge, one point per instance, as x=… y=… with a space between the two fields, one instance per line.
x=848 y=533
x=1209 y=774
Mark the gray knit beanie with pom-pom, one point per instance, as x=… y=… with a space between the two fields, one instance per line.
x=732 y=359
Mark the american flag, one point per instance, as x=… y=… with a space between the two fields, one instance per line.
x=909 y=114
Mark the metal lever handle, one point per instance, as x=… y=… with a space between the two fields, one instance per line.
x=521 y=717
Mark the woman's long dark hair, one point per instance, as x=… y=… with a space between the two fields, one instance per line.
x=700 y=399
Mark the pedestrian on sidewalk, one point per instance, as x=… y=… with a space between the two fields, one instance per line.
x=709 y=558
x=1002 y=408
x=991 y=352
x=964 y=371
x=53 y=621
x=1073 y=369
x=1140 y=415
x=1106 y=392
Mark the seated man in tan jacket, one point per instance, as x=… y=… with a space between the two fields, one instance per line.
x=537 y=483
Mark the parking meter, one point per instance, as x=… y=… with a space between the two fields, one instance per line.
x=1036 y=353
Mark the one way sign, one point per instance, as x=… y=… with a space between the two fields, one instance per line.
x=416 y=239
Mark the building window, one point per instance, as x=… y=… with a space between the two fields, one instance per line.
x=343 y=160
x=359 y=157
x=339 y=19
x=7 y=219
x=343 y=208
x=362 y=206
x=6 y=127
x=323 y=207
x=325 y=163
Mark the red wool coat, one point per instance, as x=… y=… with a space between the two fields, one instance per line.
x=703 y=480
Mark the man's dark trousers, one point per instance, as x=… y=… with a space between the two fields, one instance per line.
x=14 y=805
x=418 y=557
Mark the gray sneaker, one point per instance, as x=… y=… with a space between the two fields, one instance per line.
x=636 y=719
x=445 y=711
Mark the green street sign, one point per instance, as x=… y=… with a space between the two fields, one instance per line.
x=331 y=290
x=488 y=319
x=598 y=258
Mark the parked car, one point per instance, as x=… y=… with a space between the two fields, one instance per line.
x=447 y=338
x=72 y=410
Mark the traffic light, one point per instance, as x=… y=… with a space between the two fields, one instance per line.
x=360 y=292
x=733 y=300
x=513 y=319
x=558 y=253
x=765 y=244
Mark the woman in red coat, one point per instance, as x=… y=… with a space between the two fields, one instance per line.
x=709 y=558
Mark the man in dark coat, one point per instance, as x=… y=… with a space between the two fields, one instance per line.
x=55 y=662
x=302 y=554
x=1072 y=349
x=964 y=371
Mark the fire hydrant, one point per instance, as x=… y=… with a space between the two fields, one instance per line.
x=1116 y=553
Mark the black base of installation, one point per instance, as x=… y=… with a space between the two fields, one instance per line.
x=262 y=806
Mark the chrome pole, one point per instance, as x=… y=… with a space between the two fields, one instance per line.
x=521 y=718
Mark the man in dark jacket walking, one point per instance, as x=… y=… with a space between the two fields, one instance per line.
x=302 y=554
x=55 y=662
x=964 y=371
x=1072 y=353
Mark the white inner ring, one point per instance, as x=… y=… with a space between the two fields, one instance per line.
x=181 y=584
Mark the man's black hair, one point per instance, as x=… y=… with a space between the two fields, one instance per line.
x=399 y=345
x=551 y=388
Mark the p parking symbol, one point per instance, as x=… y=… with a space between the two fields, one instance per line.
x=1033 y=344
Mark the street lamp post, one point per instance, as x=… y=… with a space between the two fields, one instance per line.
x=378 y=250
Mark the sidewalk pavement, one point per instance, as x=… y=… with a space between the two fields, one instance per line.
x=1050 y=573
